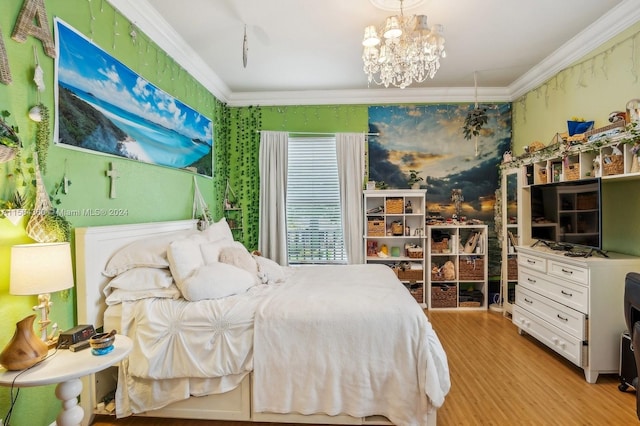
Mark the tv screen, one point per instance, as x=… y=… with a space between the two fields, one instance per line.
x=568 y=213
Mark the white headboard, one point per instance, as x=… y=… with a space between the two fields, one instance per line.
x=94 y=247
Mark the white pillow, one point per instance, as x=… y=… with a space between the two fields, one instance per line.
x=118 y=295
x=185 y=256
x=236 y=254
x=269 y=271
x=211 y=250
x=218 y=231
x=216 y=281
x=148 y=252
x=140 y=279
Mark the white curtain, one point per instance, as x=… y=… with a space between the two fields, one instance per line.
x=350 y=152
x=272 y=234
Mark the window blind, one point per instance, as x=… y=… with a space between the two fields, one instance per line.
x=314 y=223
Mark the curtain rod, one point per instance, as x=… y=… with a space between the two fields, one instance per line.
x=320 y=133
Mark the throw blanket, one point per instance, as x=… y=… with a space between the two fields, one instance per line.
x=347 y=339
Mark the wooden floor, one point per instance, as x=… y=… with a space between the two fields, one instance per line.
x=498 y=378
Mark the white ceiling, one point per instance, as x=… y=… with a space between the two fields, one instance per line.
x=309 y=51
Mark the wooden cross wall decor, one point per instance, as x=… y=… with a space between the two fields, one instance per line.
x=112 y=174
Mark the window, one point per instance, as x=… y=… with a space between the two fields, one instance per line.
x=314 y=222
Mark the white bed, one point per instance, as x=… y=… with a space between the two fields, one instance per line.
x=290 y=370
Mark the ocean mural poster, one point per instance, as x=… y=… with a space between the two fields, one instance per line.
x=104 y=107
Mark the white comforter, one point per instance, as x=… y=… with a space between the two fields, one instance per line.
x=347 y=339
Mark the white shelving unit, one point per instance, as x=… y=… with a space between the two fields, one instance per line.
x=510 y=238
x=457 y=265
x=394 y=222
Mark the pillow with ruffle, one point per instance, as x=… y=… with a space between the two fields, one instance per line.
x=269 y=271
x=118 y=295
x=141 y=278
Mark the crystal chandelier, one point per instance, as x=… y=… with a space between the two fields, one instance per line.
x=403 y=51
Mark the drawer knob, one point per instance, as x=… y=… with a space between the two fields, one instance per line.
x=531 y=280
x=566 y=293
x=528 y=301
x=533 y=262
x=560 y=317
x=566 y=271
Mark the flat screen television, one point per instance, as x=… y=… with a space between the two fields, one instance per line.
x=568 y=213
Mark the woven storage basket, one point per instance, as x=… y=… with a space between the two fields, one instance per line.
x=471 y=268
x=512 y=269
x=612 y=165
x=414 y=252
x=542 y=176
x=394 y=206
x=469 y=304
x=410 y=274
x=444 y=296
x=439 y=246
x=375 y=228
x=417 y=292
x=572 y=172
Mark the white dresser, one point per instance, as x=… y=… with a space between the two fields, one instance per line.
x=574 y=305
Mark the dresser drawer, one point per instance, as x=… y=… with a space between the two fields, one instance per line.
x=567 y=319
x=564 y=344
x=534 y=262
x=564 y=292
x=573 y=273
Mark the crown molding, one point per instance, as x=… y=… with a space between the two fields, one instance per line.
x=371 y=96
x=608 y=26
x=144 y=16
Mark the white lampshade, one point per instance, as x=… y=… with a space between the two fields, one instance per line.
x=370 y=37
x=392 y=27
x=40 y=268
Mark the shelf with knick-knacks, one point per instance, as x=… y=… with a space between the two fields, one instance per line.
x=603 y=153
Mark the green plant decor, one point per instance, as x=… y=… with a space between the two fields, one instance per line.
x=414 y=177
x=474 y=121
x=42 y=137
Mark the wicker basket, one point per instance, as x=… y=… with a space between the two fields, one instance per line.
x=572 y=172
x=375 y=228
x=542 y=176
x=394 y=206
x=439 y=246
x=470 y=304
x=417 y=292
x=512 y=269
x=470 y=268
x=444 y=296
x=410 y=274
x=612 y=165
x=415 y=252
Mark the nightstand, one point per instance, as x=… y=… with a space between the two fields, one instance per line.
x=65 y=368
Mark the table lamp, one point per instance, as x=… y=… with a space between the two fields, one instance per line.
x=41 y=269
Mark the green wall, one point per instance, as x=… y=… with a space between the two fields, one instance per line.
x=145 y=192
x=591 y=88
